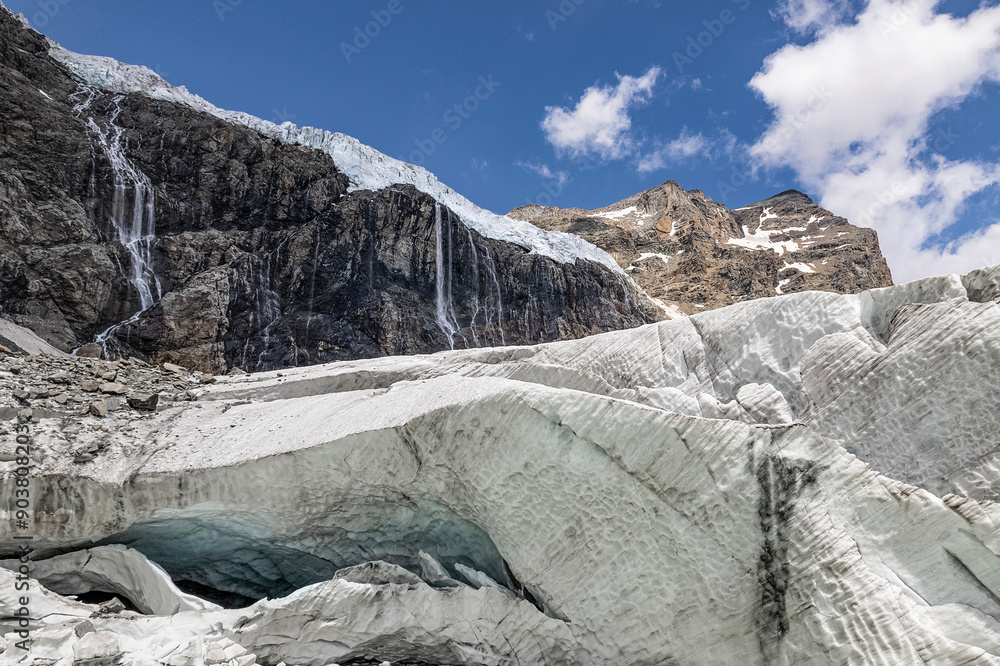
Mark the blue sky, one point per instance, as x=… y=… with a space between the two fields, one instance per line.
x=883 y=110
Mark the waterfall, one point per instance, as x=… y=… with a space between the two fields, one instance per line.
x=312 y=281
x=265 y=313
x=491 y=268
x=485 y=294
x=267 y=306
x=444 y=312
x=475 y=294
x=490 y=292
x=132 y=214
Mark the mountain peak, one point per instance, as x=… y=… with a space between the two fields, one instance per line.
x=788 y=196
x=690 y=253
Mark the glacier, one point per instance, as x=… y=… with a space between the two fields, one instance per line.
x=804 y=479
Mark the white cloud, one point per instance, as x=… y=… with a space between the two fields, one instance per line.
x=599 y=124
x=809 y=15
x=543 y=170
x=684 y=146
x=852 y=115
x=688 y=145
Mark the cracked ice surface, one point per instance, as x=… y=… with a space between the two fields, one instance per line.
x=783 y=481
x=366 y=167
x=115 y=569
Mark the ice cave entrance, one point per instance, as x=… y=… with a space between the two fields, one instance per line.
x=234 y=557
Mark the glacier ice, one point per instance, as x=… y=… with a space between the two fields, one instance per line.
x=807 y=479
x=114 y=569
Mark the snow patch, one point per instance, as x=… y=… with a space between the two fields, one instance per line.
x=672 y=311
x=650 y=255
x=804 y=268
x=761 y=239
x=616 y=214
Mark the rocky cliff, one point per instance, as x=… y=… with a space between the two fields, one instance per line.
x=694 y=254
x=138 y=216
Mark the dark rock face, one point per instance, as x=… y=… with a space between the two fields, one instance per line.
x=695 y=254
x=172 y=235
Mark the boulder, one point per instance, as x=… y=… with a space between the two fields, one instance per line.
x=90 y=350
x=144 y=401
x=97 y=648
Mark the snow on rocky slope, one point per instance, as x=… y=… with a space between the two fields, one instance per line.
x=804 y=479
x=366 y=167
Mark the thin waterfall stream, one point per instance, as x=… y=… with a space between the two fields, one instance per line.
x=482 y=262
x=444 y=311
